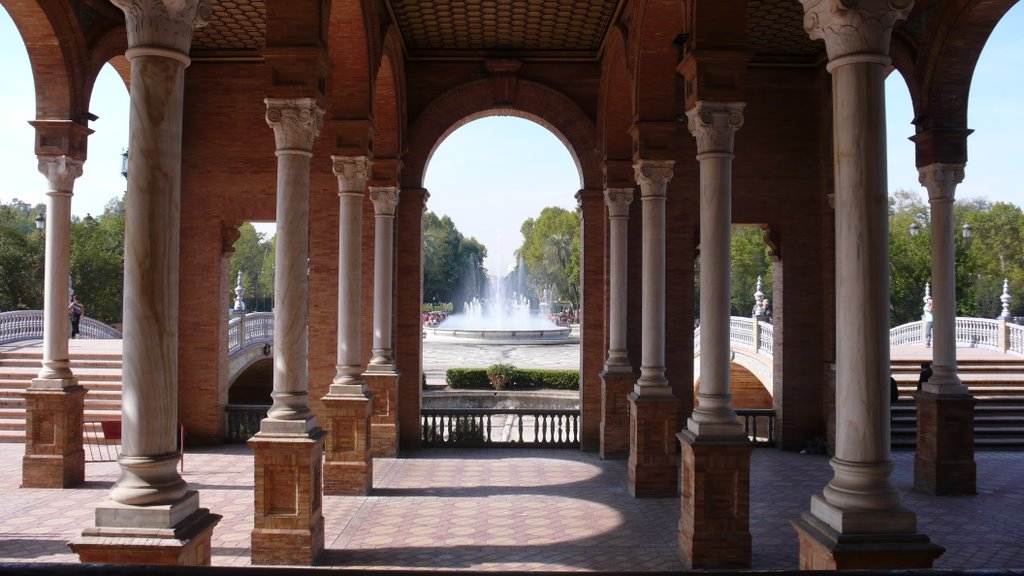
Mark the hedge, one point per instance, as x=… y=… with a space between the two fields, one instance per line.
x=522 y=379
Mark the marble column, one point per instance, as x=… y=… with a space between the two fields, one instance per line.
x=861 y=504
x=54 y=403
x=381 y=372
x=944 y=460
x=348 y=465
x=652 y=465
x=617 y=378
x=715 y=450
x=152 y=515
x=288 y=449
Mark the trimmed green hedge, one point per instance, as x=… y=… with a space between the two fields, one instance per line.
x=476 y=379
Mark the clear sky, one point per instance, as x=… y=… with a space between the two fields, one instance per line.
x=492 y=174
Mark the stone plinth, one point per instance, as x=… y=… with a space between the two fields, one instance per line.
x=53 y=438
x=288 y=520
x=714 y=520
x=944 y=463
x=653 y=460
x=822 y=548
x=172 y=534
x=615 y=411
x=348 y=465
x=384 y=418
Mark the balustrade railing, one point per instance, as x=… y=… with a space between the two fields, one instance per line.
x=741 y=331
x=766 y=337
x=1015 y=339
x=758 y=425
x=970 y=333
x=244 y=421
x=246 y=329
x=16 y=325
x=500 y=427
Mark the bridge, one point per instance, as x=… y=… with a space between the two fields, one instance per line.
x=991 y=362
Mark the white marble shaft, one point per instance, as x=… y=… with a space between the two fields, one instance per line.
x=159 y=36
x=941 y=181
x=296 y=123
x=351 y=172
x=60 y=172
x=618 y=200
x=653 y=177
x=857 y=38
x=385 y=199
x=714 y=126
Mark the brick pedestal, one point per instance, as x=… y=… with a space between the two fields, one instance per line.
x=177 y=534
x=944 y=463
x=615 y=414
x=348 y=465
x=384 y=418
x=714 y=520
x=288 y=520
x=822 y=548
x=653 y=460
x=53 y=438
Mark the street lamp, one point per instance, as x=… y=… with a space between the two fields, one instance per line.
x=966 y=232
x=40 y=222
x=915 y=228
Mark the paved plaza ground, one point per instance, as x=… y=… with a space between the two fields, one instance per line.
x=511 y=510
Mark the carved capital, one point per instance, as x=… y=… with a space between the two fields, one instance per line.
x=941 y=180
x=163 y=24
x=296 y=122
x=714 y=125
x=351 y=172
x=618 y=200
x=228 y=236
x=60 y=172
x=851 y=27
x=384 y=199
x=652 y=176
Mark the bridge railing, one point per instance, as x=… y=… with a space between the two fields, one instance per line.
x=743 y=335
x=247 y=329
x=19 y=325
x=997 y=335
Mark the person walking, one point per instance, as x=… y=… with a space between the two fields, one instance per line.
x=927 y=317
x=75 y=312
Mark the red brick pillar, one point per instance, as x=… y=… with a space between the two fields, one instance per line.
x=944 y=462
x=408 y=299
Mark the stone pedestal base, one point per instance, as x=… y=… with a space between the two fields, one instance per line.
x=615 y=390
x=53 y=437
x=384 y=420
x=822 y=548
x=288 y=520
x=944 y=463
x=714 y=520
x=348 y=465
x=653 y=460
x=177 y=534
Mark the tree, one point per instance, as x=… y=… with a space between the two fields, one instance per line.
x=551 y=252
x=254 y=257
x=22 y=252
x=453 y=265
x=97 y=262
x=751 y=258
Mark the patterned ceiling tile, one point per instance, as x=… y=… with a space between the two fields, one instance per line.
x=233 y=25
x=776 y=28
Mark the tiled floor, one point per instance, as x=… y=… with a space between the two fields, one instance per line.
x=521 y=510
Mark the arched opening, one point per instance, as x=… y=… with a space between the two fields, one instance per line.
x=746 y=388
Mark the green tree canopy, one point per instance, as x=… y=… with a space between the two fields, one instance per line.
x=21 y=257
x=551 y=252
x=453 y=265
x=254 y=258
x=97 y=262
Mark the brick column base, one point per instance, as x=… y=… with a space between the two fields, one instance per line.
x=53 y=438
x=653 y=463
x=185 y=544
x=615 y=414
x=822 y=548
x=944 y=463
x=348 y=465
x=384 y=419
x=714 y=520
x=288 y=520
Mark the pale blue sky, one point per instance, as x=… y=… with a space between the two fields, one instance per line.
x=492 y=174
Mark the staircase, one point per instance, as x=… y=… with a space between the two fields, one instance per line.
x=998 y=388
x=98 y=372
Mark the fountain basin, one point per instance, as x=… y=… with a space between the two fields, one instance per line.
x=554 y=335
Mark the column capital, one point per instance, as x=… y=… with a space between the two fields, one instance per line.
x=854 y=27
x=60 y=172
x=296 y=122
x=385 y=199
x=351 y=172
x=941 y=180
x=652 y=176
x=714 y=124
x=162 y=25
x=618 y=200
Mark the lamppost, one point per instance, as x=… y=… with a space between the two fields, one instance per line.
x=40 y=222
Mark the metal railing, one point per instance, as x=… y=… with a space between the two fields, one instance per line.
x=244 y=421
x=16 y=325
x=247 y=329
x=500 y=427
